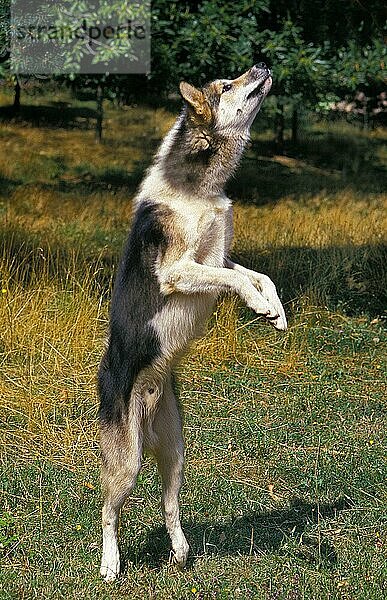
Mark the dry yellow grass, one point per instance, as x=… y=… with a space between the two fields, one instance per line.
x=63 y=228
x=51 y=342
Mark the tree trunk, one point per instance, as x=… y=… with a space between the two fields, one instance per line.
x=295 y=125
x=280 y=126
x=366 y=114
x=99 y=121
x=16 y=98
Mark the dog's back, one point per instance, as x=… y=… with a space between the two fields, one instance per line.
x=133 y=344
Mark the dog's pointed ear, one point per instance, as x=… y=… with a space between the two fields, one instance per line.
x=196 y=100
x=193 y=96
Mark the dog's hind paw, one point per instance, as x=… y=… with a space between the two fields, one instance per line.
x=110 y=567
x=108 y=574
x=178 y=556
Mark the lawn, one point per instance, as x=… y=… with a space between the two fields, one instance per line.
x=285 y=484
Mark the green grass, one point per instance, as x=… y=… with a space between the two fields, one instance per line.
x=285 y=490
x=284 y=493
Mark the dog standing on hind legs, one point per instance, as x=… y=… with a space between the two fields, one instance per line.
x=174 y=265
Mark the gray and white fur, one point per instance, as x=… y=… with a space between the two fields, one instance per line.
x=174 y=265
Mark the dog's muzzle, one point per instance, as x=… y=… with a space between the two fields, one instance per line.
x=261 y=73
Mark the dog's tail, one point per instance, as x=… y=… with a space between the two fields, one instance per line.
x=122 y=364
x=115 y=383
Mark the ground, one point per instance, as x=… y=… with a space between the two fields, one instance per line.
x=284 y=495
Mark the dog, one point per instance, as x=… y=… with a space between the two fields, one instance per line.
x=174 y=265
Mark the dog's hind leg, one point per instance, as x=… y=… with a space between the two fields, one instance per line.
x=121 y=446
x=168 y=449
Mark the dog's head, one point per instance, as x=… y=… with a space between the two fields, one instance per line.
x=228 y=105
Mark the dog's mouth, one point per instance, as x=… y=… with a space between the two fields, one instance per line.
x=258 y=90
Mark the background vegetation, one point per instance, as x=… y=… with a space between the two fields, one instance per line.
x=285 y=433
x=320 y=52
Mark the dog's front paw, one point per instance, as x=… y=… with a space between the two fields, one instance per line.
x=276 y=315
x=278 y=321
x=258 y=303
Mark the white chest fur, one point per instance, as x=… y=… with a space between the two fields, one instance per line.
x=204 y=226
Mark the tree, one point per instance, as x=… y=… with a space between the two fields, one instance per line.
x=5 y=72
x=203 y=40
x=84 y=43
x=361 y=70
x=101 y=87
x=299 y=72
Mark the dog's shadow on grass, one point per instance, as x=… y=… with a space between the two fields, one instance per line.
x=255 y=533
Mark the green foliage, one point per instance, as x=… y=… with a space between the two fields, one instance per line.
x=216 y=41
x=299 y=69
x=361 y=67
x=109 y=12
x=4 y=38
x=205 y=42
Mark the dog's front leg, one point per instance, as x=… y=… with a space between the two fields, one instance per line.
x=266 y=287
x=188 y=277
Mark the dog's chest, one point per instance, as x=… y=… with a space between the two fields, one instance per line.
x=210 y=243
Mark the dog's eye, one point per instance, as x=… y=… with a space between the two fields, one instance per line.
x=226 y=87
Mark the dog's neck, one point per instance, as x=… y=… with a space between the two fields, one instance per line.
x=197 y=161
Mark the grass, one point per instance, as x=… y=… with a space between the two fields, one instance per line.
x=285 y=434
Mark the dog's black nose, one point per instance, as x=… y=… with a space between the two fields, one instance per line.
x=260 y=65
